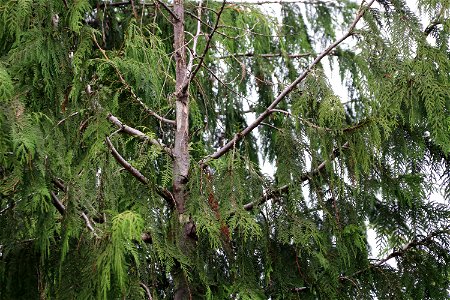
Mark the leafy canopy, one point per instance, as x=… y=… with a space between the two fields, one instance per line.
x=76 y=224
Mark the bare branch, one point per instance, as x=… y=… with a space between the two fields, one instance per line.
x=195 y=39
x=59 y=184
x=147 y=290
x=69 y=116
x=9 y=206
x=239 y=136
x=170 y=11
x=132 y=170
x=138 y=175
x=88 y=223
x=267 y=55
x=57 y=204
x=137 y=133
x=192 y=74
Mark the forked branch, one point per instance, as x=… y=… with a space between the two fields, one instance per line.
x=62 y=210
x=192 y=73
x=168 y=9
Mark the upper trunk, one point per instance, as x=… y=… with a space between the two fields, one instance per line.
x=180 y=151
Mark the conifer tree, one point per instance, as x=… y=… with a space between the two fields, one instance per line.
x=133 y=135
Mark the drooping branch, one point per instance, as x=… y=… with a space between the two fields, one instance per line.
x=137 y=133
x=138 y=175
x=146 y=237
x=407 y=247
x=62 y=210
x=435 y=22
x=240 y=135
x=132 y=170
x=275 y=194
x=130 y=89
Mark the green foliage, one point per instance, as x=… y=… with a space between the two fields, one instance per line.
x=76 y=224
x=126 y=229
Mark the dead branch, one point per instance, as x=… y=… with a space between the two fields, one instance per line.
x=137 y=133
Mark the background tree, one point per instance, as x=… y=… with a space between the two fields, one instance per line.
x=132 y=136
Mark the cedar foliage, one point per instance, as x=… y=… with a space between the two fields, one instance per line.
x=382 y=155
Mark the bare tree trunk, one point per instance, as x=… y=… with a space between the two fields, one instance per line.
x=185 y=241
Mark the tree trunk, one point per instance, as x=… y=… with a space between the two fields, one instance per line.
x=185 y=241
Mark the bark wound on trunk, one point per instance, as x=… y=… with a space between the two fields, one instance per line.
x=185 y=240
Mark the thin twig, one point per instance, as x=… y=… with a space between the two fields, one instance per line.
x=193 y=54
x=266 y=55
x=271 y=126
x=69 y=116
x=263 y=2
x=207 y=25
x=315 y=126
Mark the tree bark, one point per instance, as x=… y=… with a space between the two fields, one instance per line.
x=185 y=240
